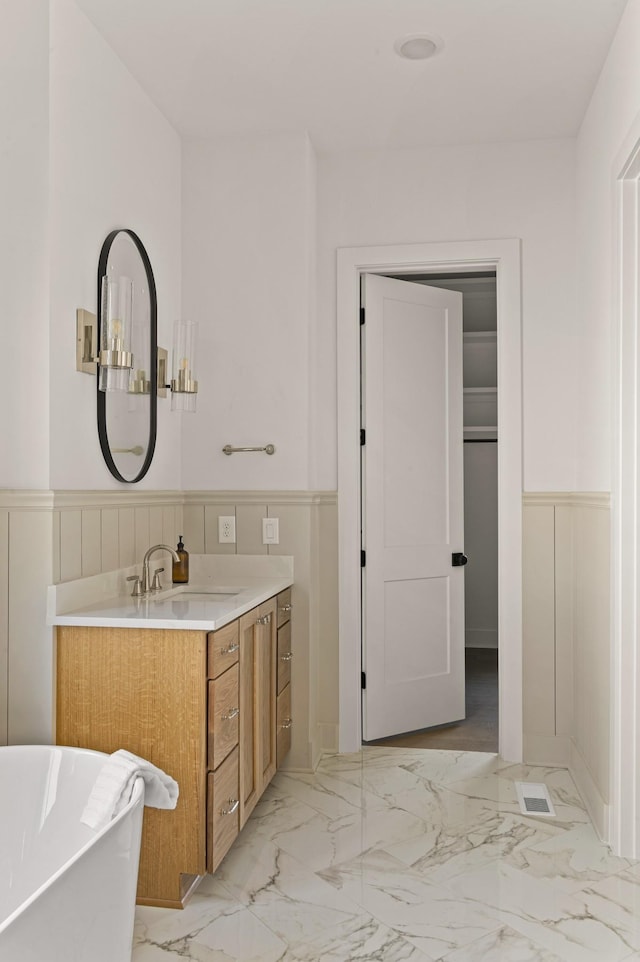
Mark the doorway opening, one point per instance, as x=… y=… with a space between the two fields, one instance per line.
x=504 y=258
x=478 y=729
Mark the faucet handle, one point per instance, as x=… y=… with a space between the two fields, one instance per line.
x=155 y=584
x=137 y=588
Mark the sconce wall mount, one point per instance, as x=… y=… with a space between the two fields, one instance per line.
x=86 y=342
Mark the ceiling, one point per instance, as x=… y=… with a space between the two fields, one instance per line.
x=509 y=70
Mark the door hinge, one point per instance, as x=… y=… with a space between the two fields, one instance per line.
x=362 y=436
x=363 y=559
x=363 y=679
x=362 y=315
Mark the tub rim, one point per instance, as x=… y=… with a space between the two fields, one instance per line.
x=136 y=794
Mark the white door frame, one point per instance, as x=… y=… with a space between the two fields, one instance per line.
x=624 y=828
x=504 y=257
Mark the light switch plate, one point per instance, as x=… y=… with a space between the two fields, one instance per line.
x=270 y=531
x=226 y=529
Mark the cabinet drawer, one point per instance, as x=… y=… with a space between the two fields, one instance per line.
x=284 y=606
x=222 y=649
x=224 y=715
x=223 y=823
x=283 y=725
x=284 y=656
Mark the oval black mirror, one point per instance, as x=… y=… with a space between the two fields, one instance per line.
x=127 y=417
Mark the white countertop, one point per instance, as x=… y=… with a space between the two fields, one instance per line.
x=220 y=589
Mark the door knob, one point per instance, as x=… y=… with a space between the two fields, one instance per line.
x=458 y=559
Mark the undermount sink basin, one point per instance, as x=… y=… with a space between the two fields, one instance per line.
x=197 y=594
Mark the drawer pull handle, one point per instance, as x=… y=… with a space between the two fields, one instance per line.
x=231 y=714
x=266 y=620
x=287 y=723
x=230 y=650
x=286 y=607
x=233 y=803
x=288 y=655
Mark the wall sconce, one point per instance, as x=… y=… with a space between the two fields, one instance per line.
x=86 y=342
x=116 y=359
x=184 y=386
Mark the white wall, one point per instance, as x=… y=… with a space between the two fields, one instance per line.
x=248 y=255
x=612 y=110
x=115 y=161
x=521 y=190
x=24 y=122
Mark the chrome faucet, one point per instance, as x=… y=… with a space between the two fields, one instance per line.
x=146 y=581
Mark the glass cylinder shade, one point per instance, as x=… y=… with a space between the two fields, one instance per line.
x=184 y=386
x=139 y=374
x=116 y=359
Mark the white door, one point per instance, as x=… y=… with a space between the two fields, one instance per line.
x=412 y=507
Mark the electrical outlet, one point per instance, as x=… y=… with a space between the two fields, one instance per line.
x=270 y=531
x=226 y=529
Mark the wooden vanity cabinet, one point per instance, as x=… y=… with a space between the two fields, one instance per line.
x=257 y=704
x=285 y=655
x=201 y=706
x=223 y=754
x=145 y=690
x=223 y=823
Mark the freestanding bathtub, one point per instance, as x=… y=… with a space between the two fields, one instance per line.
x=67 y=892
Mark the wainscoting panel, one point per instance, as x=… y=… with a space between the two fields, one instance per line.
x=4 y=622
x=91 y=542
x=142 y=530
x=324 y=614
x=126 y=537
x=156 y=529
x=592 y=652
x=564 y=618
x=30 y=661
x=90 y=536
x=70 y=545
x=567 y=640
x=110 y=548
x=194 y=528
x=538 y=612
x=249 y=529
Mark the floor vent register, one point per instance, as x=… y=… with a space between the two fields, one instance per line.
x=534 y=799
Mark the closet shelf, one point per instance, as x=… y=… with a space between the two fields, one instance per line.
x=480 y=336
x=486 y=432
x=480 y=390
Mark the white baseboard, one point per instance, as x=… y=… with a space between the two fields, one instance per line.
x=598 y=808
x=547 y=750
x=561 y=751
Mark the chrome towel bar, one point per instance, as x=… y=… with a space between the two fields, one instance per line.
x=268 y=449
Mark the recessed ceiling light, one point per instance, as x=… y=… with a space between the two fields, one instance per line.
x=417 y=46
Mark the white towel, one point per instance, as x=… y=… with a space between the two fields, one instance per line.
x=114 y=785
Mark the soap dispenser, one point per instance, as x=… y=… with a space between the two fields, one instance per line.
x=181 y=567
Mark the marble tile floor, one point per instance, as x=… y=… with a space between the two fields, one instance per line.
x=407 y=855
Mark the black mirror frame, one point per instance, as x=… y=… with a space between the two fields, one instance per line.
x=153 y=333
